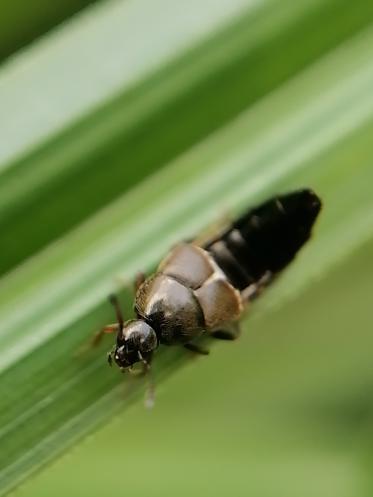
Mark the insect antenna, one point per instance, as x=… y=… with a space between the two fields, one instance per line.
x=113 y=299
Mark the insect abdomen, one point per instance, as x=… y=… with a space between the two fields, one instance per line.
x=266 y=238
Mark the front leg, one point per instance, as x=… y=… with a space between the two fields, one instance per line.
x=97 y=338
x=147 y=372
x=110 y=328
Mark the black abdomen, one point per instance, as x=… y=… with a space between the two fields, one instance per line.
x=266 y=238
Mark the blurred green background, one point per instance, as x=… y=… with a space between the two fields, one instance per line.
x=129 y=125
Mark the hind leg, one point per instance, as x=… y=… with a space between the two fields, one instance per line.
x=196 y=349
x=230 y=332
x=254 y=291
x=214 y=231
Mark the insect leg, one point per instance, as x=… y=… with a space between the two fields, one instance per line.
x=110 y=328
x=196 y=349
x=139 y=280
x=228 y=333
x=214 y=231
x=150 y=388
x=96 y=339
x=253 y=291
x=130 y=285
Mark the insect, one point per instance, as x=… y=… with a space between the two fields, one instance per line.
x=204 y=289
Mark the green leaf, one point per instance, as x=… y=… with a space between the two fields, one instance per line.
x=32 y=19
x=81 y=138
x=313 y=130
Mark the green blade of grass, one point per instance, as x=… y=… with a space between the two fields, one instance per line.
x=314 y=131
x=108 y=126
x=106 y=42
x=231 y=167
x=31 y=20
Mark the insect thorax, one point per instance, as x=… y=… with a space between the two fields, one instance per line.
x=188 y=294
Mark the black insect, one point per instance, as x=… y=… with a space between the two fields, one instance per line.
x=204 y=288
